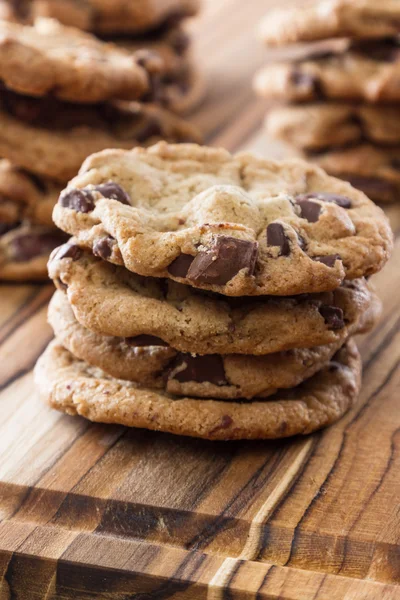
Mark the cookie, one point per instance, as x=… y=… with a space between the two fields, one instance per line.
x=110 y=300
x=26 y=197
x=236 y=225
x=373 y=169
x=25 y=249
x=53 y=138
x=103 y=16
x=73 y=387
x=322 y=19
x=48 y=58
x=151 y=363
x=323 y=126
x=367 y=72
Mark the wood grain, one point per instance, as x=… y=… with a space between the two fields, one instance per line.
x=91 y=511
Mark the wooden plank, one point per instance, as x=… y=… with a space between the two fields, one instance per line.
x=93 y=511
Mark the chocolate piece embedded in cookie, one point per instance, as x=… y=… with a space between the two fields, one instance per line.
x=373 y=169
x=147 y=360
x=74 y=387
x=25 y=250
x=197 y=322
x=210 y=226
x=350 y=74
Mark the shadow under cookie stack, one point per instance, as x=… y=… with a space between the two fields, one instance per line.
x=65 y=94
x=210 y=295
x=342 y=91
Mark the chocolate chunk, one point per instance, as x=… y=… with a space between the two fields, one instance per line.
x=78 y=200
x=310 y=83
x=145 y=340
x=381 y=50
x=180 y=266
x=308 y=210
x=103 y=248
x=113 y=191
x=179 y=41
x=29 y=245
x=376 y=188
x=220 y=263
x=151 y=128
x=276 y=237
x=69 y=251
x=333 y=316
x=6 y=227
x=341 y=201
x=328 y=260
x=208 y=368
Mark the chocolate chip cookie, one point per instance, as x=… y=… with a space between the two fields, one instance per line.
x=25 y=196
x=48 y=58
x=322 y=126
x=236 y=225
x=25 y=249
x=321 y=19
x=367 y=71
x=373 y=169
x=103 y=16
x=53 y=138
x=147 y=360
x=111 y=300
x=73 y=387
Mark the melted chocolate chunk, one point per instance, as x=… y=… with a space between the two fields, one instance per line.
x=276 y=237
x=308 y=210
x=30 y=245
x=208 y=368
x=373 y=186
x=180 y=266
x=78 y=200
x=381 y=50
x=341 y=201
x=310 y=83
x=333 y=316
x=103 y=248
x=69 y=251
x=220 y=263
x=113 y=191
x=328 y=260
x=145 y=340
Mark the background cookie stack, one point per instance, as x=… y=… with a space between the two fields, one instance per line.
x=343 y=94
x=156 y=26
x=210 y=295
x=65 y=94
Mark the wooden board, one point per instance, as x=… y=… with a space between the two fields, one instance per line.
x=91 y=511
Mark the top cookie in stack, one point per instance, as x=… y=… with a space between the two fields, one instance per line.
x=342 y=94
x=155 y=26
x=63 y=95
x=196 y=279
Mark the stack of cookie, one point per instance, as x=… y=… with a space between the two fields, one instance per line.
x=343 y=93
x=63 y=95
x=154 y=25
x=210 y=295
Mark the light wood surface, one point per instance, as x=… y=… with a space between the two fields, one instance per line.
x=101 y=512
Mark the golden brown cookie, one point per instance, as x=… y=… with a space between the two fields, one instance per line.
x=111 y=300
x=73 y=387
x=236 y=225
x=147 y=360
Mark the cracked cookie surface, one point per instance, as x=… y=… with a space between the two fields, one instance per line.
x=237 y=225
x=71 y=386
x=148 y=361
x=110 y=300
